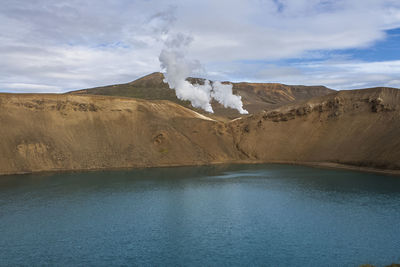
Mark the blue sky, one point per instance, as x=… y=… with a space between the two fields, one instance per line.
x=382 y=50
x=296 y=70
x=56 y=46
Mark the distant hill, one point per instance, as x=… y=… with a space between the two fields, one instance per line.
x=256 y=97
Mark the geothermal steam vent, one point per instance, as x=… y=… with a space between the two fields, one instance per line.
x=177 y=68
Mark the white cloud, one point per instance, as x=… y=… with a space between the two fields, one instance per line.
x=74 y=44
x=350 y=75
x=345 y=74
x=37 y=88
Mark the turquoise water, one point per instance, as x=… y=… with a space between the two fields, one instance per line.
x=241 y=215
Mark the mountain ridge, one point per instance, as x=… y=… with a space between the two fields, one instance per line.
x=256 y=97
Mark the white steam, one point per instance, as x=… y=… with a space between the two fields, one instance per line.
x=177 y=68
x=223 y=94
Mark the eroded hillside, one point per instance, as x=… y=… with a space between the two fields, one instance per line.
x=68 y=132
x=80 y=132
x=358 y=127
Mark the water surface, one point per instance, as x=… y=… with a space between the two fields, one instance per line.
x=275 y=215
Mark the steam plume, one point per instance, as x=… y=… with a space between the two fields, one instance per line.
x=223 y=94
x=177 y=68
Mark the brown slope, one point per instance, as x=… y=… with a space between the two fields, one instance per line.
x=263 y=96
x=70 y=132
x=358 y=127
x=256 y=96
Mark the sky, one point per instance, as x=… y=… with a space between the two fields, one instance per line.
x=57 y=46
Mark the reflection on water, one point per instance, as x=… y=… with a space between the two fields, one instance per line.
x=216 y=215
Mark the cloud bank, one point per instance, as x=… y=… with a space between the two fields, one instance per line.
x=63 y=45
